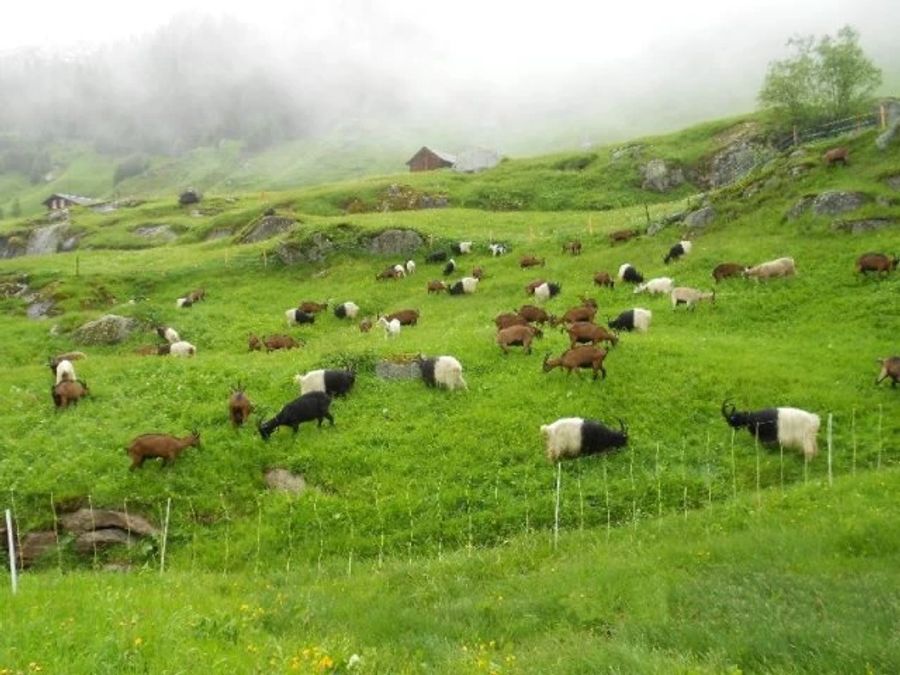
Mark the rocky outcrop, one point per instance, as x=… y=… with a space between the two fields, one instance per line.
x=266 y=228
x=394 y=242
x=13 y=245
x=313 y=249
x=659 y=176
x=156 y=232
x=893 y=182
x=398 y=370
x=36 y=545
x=398 y=197
x=88 y=542
x=107 y=330
x=736 y=161
x=697 y=220
x=46 y=240
x=283 y=480
x=835 y=202
x=85 y=520
x=863 y=225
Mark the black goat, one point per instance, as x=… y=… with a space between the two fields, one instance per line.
x=311 y=406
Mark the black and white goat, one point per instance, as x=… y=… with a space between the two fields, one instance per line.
x=450 y=267
x=311 y=406
x=332 y=382
x=442 y=371
x=346 y=310
x=787 y=427
x=572 y=437
x=681 y=248
x=628 y=273
x=298 y=316
x=465 y=286
x=633 y=319
x=547 y=290
x=461 y=248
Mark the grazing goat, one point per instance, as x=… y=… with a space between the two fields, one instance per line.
x=406 y=317
x=657 y=286
x=67 y=356
x=410 y=266
x=682 y=295
x=835 y=155
x=346 y=310
x=583 y=331
x=239 y=406
x=63 y=369
x=726 y=270
x=546 y=291
x=68 y=391
x=332 y=382
x=582 y=313
x=168 y=334
x=275 y=342
x=461 y=248
x=391 y=328
x=520 y=336
x=571 y=437
x=442 y=371
x=436 y=286
x=478 y=272
x=298 y=316
x=527 y=261
x=159 y=445
x=399 y=271
x=254 y=344
x=876 y=262
x=196 y=295
x=573 y=247
x=164 y=350
x=890 y=368
x=534 y=314
x=365 y=325
x=497 y=249
x=622 y=235
x=628 y=273
x=182 y=348
x=509 y=319
x=578 y=357
x=387 y=273
x=788 y=427
x=311 y=307
x=308 y=407
x=184 y=303
x=782 y=267
x=632 y=319
x=529 y=287
x=465 y=286
x=450 y=267
x=436 y=257
x=681 y=248
x=603 y=279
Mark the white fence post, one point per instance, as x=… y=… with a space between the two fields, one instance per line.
x=11 y=540
x=556 y=509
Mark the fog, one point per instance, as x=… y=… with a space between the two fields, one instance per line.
x=166 y=77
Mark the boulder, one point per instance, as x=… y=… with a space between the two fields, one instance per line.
x=86 y=542
x=83 y=520
x=736 y=161
x=157 y=232
x=35 y=545
x=12 y=246
x=285 y=481
x=108 y=330
x=40 y=309
x=835 y=202
x=394 y=242
x=266 y=228
x=189 y=196
x=398 y=370
x=700 y=218
x=45 y=240
x=311 y=250
x=864 y=225
x=800 y=207
x=659 y=176
x=892 y=181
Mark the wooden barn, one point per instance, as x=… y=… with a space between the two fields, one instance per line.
x=58 y=201
x=427 y=159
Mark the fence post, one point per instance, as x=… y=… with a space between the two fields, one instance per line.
x=830 y=477
x=796 y=136
x=11 y=541
x=162 y=554
x=883 y=116
x=556 y=508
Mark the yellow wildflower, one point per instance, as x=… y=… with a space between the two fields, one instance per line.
x=138 y=641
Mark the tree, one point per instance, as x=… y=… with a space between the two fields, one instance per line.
x=828 y=79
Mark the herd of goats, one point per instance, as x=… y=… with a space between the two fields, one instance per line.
x=570 y=437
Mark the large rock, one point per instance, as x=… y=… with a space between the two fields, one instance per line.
x=398 y=370
x=47 y=239
x=267 y=228
x=311 y=250
x=864 y=225
x=395 y=242
x=700 y=218
x=107 y=330
x=659 y=176
x=85 y=520
x=834 y=202
x=892 y=181
x=86 y=542
x=800 y=207
x=736 y=161
x=35 y=545
x=12 y=246
x=285 y=481
x=156 y=232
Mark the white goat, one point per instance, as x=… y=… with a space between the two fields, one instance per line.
x=183 y=349
x=682 y=295
x=391 y=328
x=782 y=267
x=659 y=285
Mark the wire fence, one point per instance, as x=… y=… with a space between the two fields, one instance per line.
x=799 y=136
x=642 y=483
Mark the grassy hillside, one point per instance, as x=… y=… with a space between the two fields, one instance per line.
x=410 y=475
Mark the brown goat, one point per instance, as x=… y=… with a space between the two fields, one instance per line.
x=478 y=272
x=67 y=392
x=582 y=313
x=584 y=331
x=534 y=314
x=517 y=336
x=273 y=342
x=406 y=317
x=588 y=302
x=239 y=406
x=508 y=319
x=436 y=286
x=365 y=325
x=835 y=155
x=876 y=262
x=578 y=357
x=159 y=445
x=890 y=367
x=726 y=270
x=529 y=287
x=603 y=279
x=387 y=273
x=254 y=344
x=573 y=247
x=196 y=295
x=147 y=350
x=313 y=307
x=530 y=261
x=67 y=356
x=622 y=235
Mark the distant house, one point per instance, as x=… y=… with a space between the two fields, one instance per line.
x=476 y=159
x=58 y=201
x=427 y=159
